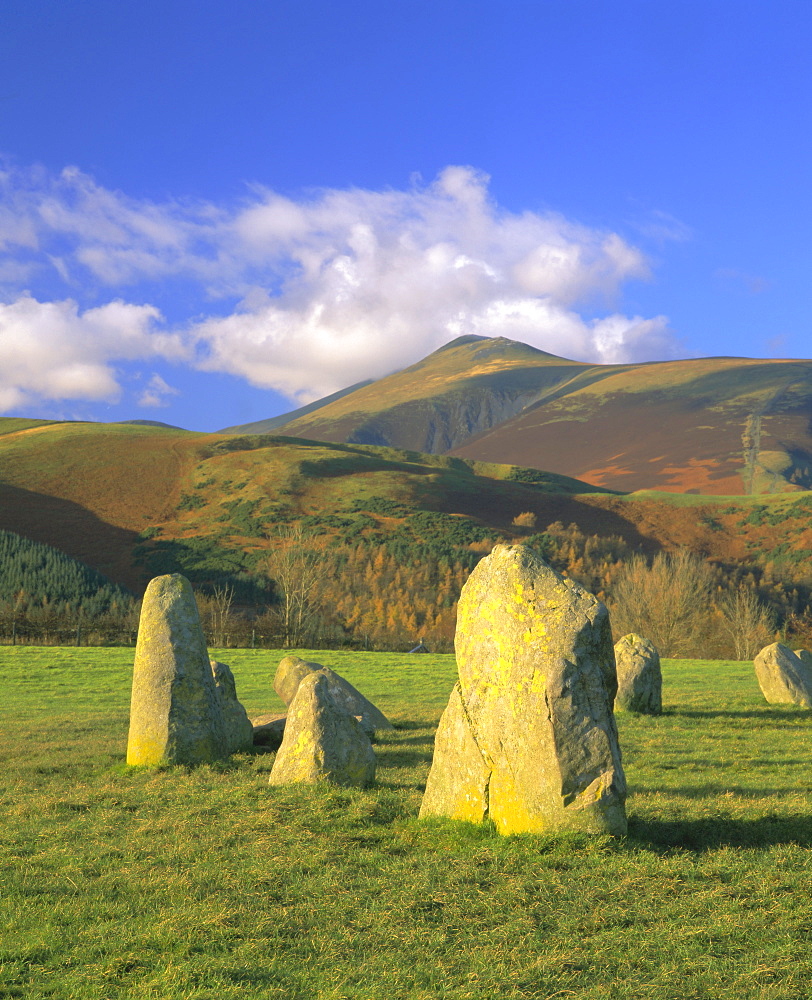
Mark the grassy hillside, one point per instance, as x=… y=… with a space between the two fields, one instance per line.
x=708 y=425
x=129 y=883
x=396 y=532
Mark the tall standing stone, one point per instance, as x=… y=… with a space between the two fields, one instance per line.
x=639 y=677
x=239 y=729
x=528 y=738
x=784 y=678
x=175 y=713
x=322 y=742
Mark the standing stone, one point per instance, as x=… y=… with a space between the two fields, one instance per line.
x=175 y=713
x=239 y=729
x=639 y=678
x=784 y=678
x=528 y=738
x=322 y=742
x=292 y=670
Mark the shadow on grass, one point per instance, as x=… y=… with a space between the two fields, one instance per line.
x=712 y=833
x=790 y=714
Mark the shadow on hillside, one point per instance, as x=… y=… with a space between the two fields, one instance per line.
x=712 y=833
x=73 y=529
x=497 y=507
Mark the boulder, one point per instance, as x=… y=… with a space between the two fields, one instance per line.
x=175 y=713
x=238 y=727
x=528 y=738
x=269 y=731
x=639 y=678
x=784 y=678
x=293 y=669
x=322 y=742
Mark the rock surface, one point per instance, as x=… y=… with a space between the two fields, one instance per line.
x=639 y=678
x=528 y=738
x=804 y=656
x=292 y=670
x=784 y=678
x=269 y=730
x=322 y=742
x=238 y=728
x=175 y=712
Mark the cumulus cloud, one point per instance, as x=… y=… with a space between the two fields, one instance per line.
x=308 y=295
x=52 y=350
x=157 y=392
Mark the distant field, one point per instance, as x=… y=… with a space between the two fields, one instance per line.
x=174 y=883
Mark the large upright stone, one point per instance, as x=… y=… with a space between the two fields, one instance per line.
x=528 y=737
x=239 y=729
x=639 y=678
x=175 y=713
x=322 y=742
x=293 y=669
x=784 y=678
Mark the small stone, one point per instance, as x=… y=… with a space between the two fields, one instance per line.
x=238 y=728
x=784 y=677
x=528 y=738
x=639 y=678
x=322 y=742
x=292 y=670
x=175 y=712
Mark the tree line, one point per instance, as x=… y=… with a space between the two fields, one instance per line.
x=389 y=591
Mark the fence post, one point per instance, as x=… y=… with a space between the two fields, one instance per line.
x=14 y=633
x=78 y=635
x=253 y=638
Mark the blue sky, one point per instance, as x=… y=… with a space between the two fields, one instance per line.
x=214 y=211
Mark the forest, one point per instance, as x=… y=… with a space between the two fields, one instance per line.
x=386 y=577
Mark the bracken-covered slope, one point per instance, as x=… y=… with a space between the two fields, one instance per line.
x=135 y=501
x=117 y=496
x=709 y=425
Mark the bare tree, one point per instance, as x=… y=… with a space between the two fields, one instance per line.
x=216 y=614
x=749 y=623
x=667 y=601
x=293 y=565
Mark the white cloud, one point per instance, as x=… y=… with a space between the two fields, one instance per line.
x=157 y=392
x=330 y=288
x=52 y=350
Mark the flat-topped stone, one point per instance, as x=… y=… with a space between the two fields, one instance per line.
x=639 y=677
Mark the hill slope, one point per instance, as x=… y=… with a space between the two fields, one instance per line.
x=396 y=531
x=710 y=425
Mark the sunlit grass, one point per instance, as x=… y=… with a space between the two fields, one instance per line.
x=207 y=883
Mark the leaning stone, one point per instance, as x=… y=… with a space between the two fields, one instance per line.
x=639 y=678
x=292 y=670
x=784 y=678
x=175 y=712
x=322 y=742
x=239 y=731
x=528 y=738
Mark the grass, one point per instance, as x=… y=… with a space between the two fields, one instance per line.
x=205 y=883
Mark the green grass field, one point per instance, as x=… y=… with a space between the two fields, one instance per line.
x=119 y=882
